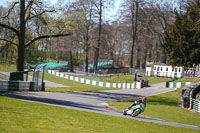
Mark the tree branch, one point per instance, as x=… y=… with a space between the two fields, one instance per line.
x=41 y=13
x=45 y=36
x=9 y=27
x=8 y=41
x=28 y=10
x=9 y=11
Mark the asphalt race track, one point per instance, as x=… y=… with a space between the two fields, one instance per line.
x=96 y=101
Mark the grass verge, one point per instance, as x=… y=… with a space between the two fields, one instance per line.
x=165 y=107
x=119 y=78
x=27 y=117
x=73 y=86
x=8 y=68
x=188 y=80
x=156 y=80
x=76 y=86
x=124 y=78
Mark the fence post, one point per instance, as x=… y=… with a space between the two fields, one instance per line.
x=191 y=101
x=199 y=107
x=42 y=83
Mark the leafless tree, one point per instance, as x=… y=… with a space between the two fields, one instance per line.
x=87 y=11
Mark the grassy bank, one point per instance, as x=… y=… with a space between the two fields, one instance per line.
x=188 y=80
x=156 y=80
x=73 y=86
x=127 y=78
x=27 y=117
x=76 y=86
x=8 y=68
x=166 y=107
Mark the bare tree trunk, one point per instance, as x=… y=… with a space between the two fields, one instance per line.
x=138 y=58
x=156 y=54
x=96 y=56
x=134 y=15
x=20 y=56
x=87 y=40
x=71 y=62
x=87 y=48
x=144 y=59
x=165 y=57
x=86 y=59
x=99 y=38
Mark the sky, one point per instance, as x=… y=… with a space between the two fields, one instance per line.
x=109 y=15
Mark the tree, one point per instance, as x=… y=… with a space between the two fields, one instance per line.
x=7 y=49
x=28 y=11
x=86 y=9
x=182 y=38
x=164 y=17
x=96 y=53
x=88 y=12
x=131 y=13
x=134 y=22
x=100 y=5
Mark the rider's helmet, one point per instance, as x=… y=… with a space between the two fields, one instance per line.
x=144 y=99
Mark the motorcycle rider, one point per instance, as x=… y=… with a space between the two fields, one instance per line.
x=143 y=101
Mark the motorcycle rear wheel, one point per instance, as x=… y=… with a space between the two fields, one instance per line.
x=136 y=112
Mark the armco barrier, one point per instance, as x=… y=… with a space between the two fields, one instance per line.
x=189 y=91
x=177 y=84
x=97 y=83
x=195 y=104
x=15 y=85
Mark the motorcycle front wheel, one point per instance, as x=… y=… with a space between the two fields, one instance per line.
x=124 y=113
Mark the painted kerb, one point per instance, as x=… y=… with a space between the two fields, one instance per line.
x=136 y=85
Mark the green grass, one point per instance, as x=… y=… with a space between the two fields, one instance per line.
x=131 y=79
x=119 y=78
x=112 y=78
x=165 y=107
x=73 y=86
x=8 y=68
x=188 y=80
x=156 y=80
x=76 y=86
x=126 y=78
x=27 y=117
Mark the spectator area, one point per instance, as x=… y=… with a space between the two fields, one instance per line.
x=49 y=65
x=100 y=64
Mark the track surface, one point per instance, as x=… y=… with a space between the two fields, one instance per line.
x=96 y=101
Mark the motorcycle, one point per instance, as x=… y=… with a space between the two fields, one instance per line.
x=135 y=110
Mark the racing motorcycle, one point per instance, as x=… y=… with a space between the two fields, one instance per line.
x=135 y=110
